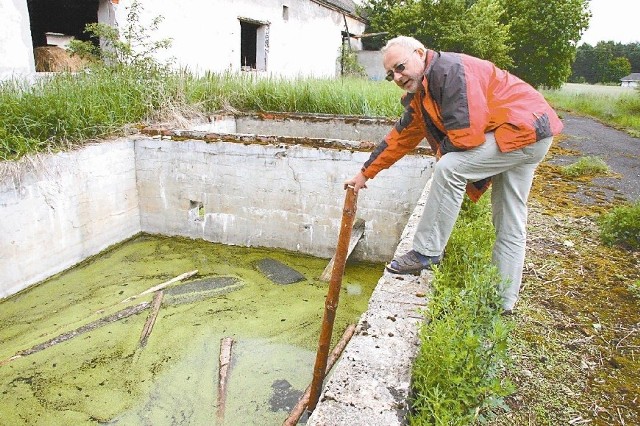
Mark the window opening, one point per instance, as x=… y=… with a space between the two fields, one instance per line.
x=196 y=211
x=248 y=45
x=254 y=45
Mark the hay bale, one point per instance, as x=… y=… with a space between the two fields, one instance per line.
x=56 y=59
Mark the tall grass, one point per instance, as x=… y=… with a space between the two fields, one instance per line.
x=618 y=106
x=246 y=92
x=69 y=109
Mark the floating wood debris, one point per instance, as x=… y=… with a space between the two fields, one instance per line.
x=225 y=363
x=356 y=235
x=124 y=313
x=151 y=320
x=163 y=285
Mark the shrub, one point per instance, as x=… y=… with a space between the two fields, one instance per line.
x=621 y=226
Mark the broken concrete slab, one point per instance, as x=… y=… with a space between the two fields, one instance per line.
x=278 y=272
x=201 y=289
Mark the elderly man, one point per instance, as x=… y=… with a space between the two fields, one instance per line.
x=486 y=127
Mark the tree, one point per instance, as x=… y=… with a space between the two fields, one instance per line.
x=535 y=40
x=544 y=36
x=583 y=69
x=466 y=26
x=618 y=68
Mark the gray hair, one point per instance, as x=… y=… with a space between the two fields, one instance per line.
x=409 y=43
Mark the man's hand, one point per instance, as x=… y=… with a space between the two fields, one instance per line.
x=357 y=182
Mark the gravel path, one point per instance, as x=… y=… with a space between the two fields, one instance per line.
x=619 y=150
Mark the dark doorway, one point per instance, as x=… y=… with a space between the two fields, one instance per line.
x=68 y=17
x=248 y=44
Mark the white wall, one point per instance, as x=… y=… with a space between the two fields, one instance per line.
x=71 y=206
x=16 y=52
x=206 y=33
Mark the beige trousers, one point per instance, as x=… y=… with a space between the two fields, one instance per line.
x=512 y=175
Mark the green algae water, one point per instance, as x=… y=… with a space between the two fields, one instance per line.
x=104 y=376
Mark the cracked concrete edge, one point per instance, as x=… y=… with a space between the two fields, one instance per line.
x=371 y=382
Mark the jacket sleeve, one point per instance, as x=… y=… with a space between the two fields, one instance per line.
x=461 y=95
x=405 y=135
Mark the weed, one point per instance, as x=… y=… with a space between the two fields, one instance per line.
x=464 y=340
x=634 y=288
x=621 y=226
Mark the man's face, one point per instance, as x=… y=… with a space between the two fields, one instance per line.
x=405 y=65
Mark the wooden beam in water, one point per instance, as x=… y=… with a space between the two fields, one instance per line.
x=356 y=235
x=151 y=320
x=299 y=409
x=225 y=364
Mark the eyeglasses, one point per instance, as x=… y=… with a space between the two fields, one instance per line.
x=398 y=68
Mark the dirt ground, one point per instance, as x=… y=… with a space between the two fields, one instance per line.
x=576 y=340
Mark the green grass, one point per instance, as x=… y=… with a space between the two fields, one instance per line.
x=586 y=166
x=618 y=106
x=71 y=109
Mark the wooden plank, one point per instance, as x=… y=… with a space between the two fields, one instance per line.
x=225 y=364
x=163 y=285
x=356 y=234
x=124 y=313
x=151 y=320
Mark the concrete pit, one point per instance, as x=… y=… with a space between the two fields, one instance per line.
x=267 y=182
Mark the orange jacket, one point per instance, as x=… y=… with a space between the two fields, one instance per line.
x=462 y=99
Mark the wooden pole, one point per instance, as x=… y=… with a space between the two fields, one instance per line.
x=298 y=410
x=333 y=295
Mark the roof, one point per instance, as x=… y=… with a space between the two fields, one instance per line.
x=634 y=76
x=345 y=6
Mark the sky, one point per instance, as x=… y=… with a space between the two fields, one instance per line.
x=617 y=20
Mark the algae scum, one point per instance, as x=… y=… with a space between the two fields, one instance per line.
x=105 y=375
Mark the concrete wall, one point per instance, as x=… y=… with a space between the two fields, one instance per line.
x=372 y=62
x=16 y=52
x=372 y=130
x=64 y=209
x=287 y=196
x=75 y=204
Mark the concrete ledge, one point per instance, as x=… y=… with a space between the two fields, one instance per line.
x=371 y=382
